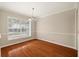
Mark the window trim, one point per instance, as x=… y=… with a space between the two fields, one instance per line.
x=19 y=36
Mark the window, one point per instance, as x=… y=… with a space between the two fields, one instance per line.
x=18 y=28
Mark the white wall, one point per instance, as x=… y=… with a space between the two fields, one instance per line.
x=58 y=28
x=3 y=28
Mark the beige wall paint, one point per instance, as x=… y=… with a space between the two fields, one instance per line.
x=3 y=28
x=58 y=28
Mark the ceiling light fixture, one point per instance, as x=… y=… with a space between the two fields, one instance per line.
x=31 y=18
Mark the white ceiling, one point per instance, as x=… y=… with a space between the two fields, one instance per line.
x=41 y=8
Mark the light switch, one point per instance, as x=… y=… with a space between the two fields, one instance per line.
x=0 y=35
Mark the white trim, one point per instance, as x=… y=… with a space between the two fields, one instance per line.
x=14 y=37
x=8 y=44
x=58 y=33
x=23 y=35
x=30 y=27
x=76 y=26
x=59 y=43
x=44 y=37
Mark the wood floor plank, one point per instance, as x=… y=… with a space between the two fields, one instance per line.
x=37 y=48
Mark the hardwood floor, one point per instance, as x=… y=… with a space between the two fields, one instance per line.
x=37 y=48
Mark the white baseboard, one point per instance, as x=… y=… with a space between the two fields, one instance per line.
x=59 y=44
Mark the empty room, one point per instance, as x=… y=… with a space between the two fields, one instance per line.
x=38 y=29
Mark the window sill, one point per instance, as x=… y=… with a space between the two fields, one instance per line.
x=14 y=37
